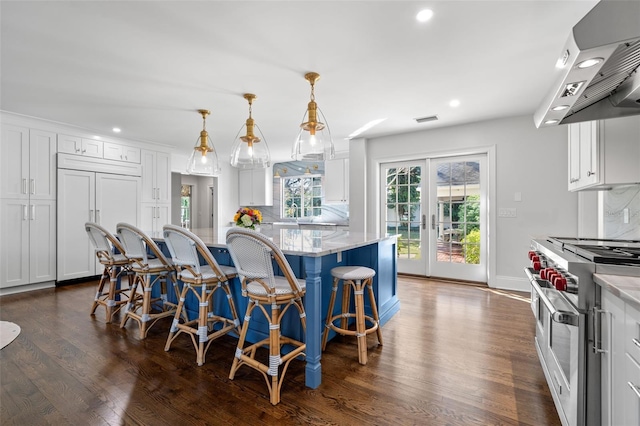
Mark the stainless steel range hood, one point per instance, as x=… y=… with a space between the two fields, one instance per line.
x=610 y=35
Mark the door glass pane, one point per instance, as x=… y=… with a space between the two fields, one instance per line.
x=403 y=214
x=458 y=224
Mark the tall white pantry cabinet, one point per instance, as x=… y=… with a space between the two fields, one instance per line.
x=27 y=206
x=156 y=190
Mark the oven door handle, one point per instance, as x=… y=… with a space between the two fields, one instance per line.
x=560 y=309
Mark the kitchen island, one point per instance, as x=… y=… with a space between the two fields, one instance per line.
x=312 y=254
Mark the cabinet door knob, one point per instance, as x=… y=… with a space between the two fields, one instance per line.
x=590 y=173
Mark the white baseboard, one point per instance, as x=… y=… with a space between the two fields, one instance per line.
x=26 y=287
x=504 y=282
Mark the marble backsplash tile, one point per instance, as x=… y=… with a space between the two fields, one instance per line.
x=621 y=215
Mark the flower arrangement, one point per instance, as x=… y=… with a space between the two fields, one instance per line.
x=247 y=218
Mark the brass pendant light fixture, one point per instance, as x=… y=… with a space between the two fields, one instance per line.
x=203 y=160
x=250 y=151
x=314 y=141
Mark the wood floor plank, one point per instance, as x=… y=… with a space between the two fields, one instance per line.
x=454 y=354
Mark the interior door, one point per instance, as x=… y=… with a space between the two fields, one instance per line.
x=403 y=212
x=458 y=248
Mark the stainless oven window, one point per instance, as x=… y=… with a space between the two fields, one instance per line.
x=560 y=345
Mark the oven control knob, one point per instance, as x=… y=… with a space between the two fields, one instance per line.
x=550 y=274
x=536 y=265
x=531 y=253
x=560 y=283
x=543 y=273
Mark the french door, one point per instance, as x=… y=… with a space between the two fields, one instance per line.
x=437 y=207
x=458 y=200
x=403 y=212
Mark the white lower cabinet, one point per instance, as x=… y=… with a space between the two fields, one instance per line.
x=83 y=196
x=620 y=374
x=154 y=217
x=27 y=242
x=612 y=359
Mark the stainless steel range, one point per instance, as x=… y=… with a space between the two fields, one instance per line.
x=566 y=304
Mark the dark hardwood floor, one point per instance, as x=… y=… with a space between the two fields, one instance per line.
x=455 y=354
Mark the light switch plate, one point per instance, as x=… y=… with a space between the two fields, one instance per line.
x=507 y=212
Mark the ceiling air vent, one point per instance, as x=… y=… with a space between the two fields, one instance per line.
x=425 y=119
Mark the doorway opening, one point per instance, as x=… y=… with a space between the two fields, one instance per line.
x=185 y=206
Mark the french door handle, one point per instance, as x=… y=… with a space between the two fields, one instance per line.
x=424 y=221
x=433 y=221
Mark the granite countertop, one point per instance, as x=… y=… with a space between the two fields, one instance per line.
x=625 y=287
x=296 y=241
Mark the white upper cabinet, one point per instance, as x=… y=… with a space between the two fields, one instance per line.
x=336 y=181
x=117 y=152
x=604 y=153
x=28 y=164
x=80 y=146
x=255 y=187
x=156 y=177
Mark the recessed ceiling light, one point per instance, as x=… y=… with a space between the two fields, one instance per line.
x=116 y=130
x=424 y=15
x=559 y=108
x=590 y=62
x=551 y=122
x=454 y=103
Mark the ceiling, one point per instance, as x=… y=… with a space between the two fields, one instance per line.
x=147 y=66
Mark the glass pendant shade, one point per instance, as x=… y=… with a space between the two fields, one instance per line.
x=203 y=160
x=250 y=149
x=314 y=142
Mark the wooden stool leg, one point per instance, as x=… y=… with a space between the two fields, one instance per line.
x=176 y=319
x=332 y=302
x=361 y=332
x=346 y=301
x=133 y=301
x=374 y=309
x=203 y=314
x=274 y=353
x=239 y=349
x=96 y=300
x=146 y=307
x=111 y=299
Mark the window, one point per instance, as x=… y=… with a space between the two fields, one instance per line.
x=301 y=197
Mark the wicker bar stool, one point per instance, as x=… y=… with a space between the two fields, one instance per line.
x=356 y=278
x=116 y=265
x=202 y=281
x=150 y=271
x=252 y=254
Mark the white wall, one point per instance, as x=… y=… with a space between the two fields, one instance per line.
x=529 y=161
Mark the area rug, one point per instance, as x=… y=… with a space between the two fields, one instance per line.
x=8 y=332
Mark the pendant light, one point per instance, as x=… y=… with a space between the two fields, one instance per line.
x=314 y=141
x=250 y=151
x=203 y=160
